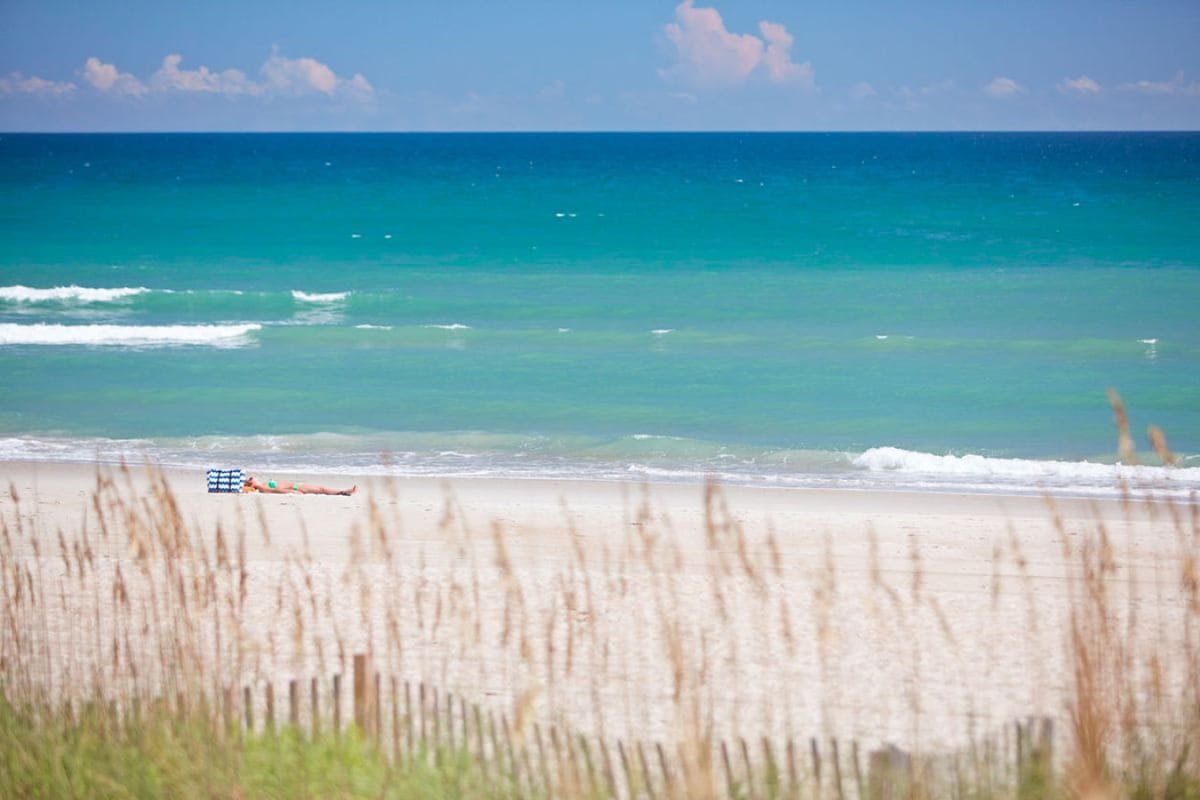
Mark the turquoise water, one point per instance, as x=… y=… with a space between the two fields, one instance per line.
x=904 y=310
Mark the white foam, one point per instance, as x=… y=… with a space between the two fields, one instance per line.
x=373 y=327
x=137 y=335
x=80 y=294
x=73 y=450
x=331 y=297
x=1148 y=341
x=1026 y=471
x=456 y=326
x=662 y=331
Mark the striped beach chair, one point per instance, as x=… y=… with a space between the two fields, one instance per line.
x=226 y=480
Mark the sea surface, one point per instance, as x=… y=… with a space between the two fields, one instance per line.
x=938 y=312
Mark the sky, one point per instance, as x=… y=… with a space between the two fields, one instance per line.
x=624 y=65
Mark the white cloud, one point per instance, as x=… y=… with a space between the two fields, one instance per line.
x=1174 y=86
x=1151 y=87
x=710 y=55
x=1003 y=88
x=16 y=83
x=107 y=78
x=297 y=76
x=778 y=56
x=357 y=87
x=171 y=78
x=1081 y=85
x=280 y=76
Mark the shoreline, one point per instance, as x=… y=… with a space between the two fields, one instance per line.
x=885 y=470
x=189 y=482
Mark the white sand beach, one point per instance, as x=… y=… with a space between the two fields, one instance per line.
x=623 y=609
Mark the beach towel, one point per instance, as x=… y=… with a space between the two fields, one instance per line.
x=226 y=480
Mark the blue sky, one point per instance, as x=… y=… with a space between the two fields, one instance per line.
x=418 y=65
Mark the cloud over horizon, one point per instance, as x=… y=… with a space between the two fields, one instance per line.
x=291 y=77
x=710 y=55
x=17 y=83
x=1081 y=85
x=1174 y=86
x=1003 y=88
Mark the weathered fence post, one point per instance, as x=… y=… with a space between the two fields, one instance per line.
x=361 y=695
x=772 y=771
x=888 y=774
x=270 y=707
x=545 y=770
x=666 y=770
x=226 y=708
x=421 y=711
x=630 y=786
x=437 y=723
x=315 y=702
x=587 y=763
x=508 y=746
x=858 y=777
x=645 y=770
x=816 y=759
x=483 y=756
x=466 y=722
x=1047 y=742
x=750 y=786
x=248 y=704
x=610 y=780
x=337 y=704
x=793 y=774
x=395 y=721
x=293 y=703
x=495 y=741
x=377 y=709
x=1020 y=748
x=560 y=765
x=837 y=769
x=730 y=783
x=408 y=718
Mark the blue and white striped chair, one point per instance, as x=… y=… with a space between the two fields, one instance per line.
x=226 y=480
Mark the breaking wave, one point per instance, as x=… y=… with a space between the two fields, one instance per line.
x=125 y=335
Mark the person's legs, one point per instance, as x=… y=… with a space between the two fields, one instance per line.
x=308 y=488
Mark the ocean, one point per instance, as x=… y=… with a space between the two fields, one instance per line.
x=937 y=312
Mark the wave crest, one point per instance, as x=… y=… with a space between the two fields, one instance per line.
x=127 y=335
x=894 y=459
x=330 y=297
x=78 y=294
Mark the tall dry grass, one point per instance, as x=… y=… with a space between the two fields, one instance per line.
x=733 y=659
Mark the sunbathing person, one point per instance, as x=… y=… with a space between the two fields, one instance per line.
x=252 y=484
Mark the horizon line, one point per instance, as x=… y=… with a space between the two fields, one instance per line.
x=622 y=131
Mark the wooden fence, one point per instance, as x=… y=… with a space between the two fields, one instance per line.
x=408 y=721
